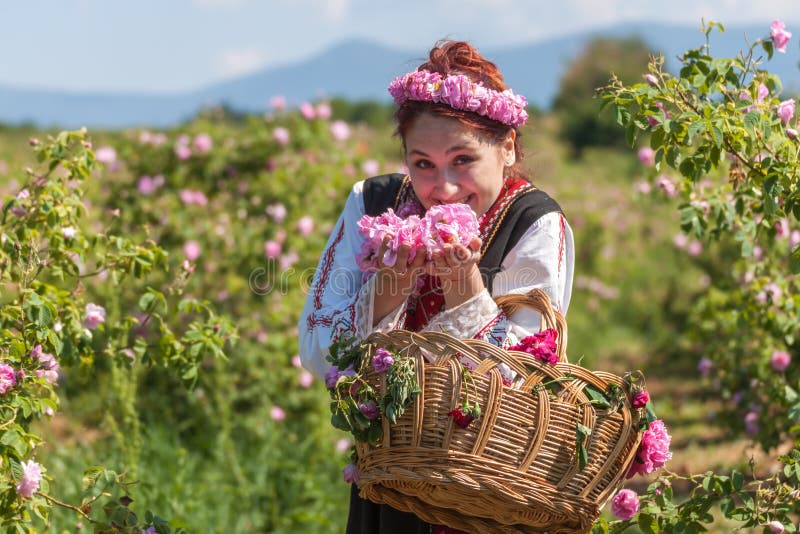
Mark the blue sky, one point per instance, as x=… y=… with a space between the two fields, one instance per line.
x=176 y=45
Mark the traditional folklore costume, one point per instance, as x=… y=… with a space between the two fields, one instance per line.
x=527 y=244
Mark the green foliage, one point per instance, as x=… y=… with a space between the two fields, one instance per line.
x=738 y=161
x=583 y=123
x=49 y=324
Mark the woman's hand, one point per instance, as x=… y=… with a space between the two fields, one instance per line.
x=457 y=269
x=394 y=283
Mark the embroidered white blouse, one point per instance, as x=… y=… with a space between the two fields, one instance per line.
x=338 y=300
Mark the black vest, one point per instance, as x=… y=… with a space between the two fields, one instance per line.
x=383 y=192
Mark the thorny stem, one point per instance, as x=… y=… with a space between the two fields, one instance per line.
x=69 y=506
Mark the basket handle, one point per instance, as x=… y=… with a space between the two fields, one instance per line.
x=538 y=300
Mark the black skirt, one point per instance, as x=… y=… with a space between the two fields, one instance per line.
x=366 y=517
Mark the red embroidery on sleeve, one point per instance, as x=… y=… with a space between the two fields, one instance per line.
x=326 y=268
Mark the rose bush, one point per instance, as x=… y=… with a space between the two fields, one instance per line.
x=725 y=142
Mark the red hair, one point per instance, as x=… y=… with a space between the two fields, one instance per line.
x=459 y=57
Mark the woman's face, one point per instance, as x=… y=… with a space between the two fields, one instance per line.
x=448 y=163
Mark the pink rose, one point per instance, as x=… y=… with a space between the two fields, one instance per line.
x=751 y=422
x=334 y=373
x=541 y=346
x=94 y=316
x=647 y=156
x=369 y=409
x=653 y=451
x=7 y=378
x=202 y=143
x=780 y=37
x=305 y=225
x=277 y=413
x=340 y=130
x=307 y=111
x=780 y=360
x=776 y=526
x=370 y=167
x=350 y=473
x=106 y=155
x=31 y=476
x=69 y=232
x=664 y=183
x=278 y=102
x=625 y=504
x=281 y=135
x=794 y=238
x=191 y=249
x=641 y=399
x=323 y=111
x=146 y=185
x=782 y=228
x=306 y=379
x=695 y=248
x=272 y=249
x=785 y=110
x=277 y=212
x=382 y=360
x=48 y=365
x=183 y=152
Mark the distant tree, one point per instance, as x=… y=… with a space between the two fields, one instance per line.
x=583 y=124
x=371 y=112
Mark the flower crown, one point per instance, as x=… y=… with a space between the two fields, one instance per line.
x=459 y=92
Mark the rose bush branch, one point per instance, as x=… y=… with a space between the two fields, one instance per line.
x=48 y=321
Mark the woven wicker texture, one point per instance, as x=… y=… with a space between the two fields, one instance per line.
x=515 y=468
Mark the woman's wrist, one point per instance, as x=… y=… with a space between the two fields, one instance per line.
x=389 y=292
x=457 y=292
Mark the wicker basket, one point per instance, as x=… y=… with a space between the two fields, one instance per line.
x=515 y=468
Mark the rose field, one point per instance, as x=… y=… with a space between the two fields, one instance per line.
x=151 y=283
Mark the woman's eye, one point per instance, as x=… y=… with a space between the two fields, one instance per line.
x=423 y=164
x=462 y=160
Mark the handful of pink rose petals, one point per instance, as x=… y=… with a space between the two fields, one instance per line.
x=446 y=224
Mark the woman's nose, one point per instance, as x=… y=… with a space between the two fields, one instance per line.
x=446 y=188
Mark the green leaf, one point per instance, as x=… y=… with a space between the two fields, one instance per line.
x=647 y=524
x=581 y=434
x=738 y=480
x=694 y=128
x=768 y=48
x=597 y=397
x=794 y=260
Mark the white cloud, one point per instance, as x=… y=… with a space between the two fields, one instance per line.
x=229 y=63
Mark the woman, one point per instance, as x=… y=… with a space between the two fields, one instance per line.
x=459 y=125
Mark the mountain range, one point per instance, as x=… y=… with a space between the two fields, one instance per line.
x=361 y=70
